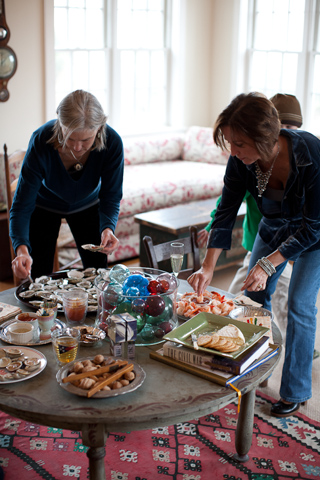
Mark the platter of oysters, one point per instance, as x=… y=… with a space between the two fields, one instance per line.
x=20 y=363
x=47 y=288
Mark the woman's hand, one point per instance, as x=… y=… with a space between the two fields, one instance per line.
x=109 y=241
x=256 y=280
x=200 y=279
x=21 y=265
x=203 y=236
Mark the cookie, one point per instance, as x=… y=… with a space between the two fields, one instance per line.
x=203 y=340
x=214 y=340
x=220 y=343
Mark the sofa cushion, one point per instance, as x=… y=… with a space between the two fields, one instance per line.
x=158 y=185
x=199 y=147
x=152 y=149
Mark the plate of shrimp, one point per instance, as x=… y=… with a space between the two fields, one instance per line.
x=190 y=304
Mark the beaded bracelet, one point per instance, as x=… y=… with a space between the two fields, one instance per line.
x=267 y=266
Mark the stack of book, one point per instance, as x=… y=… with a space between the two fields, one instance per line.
x=216 y=368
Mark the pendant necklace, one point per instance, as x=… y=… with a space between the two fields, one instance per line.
x=263 y=177
x=77 y=166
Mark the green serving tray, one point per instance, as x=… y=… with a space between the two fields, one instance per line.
x=208 y=323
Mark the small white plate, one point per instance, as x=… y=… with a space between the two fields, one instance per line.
x=30 y=353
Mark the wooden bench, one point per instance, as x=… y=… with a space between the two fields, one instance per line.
x=172 y=223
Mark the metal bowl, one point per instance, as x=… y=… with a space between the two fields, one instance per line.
x=250 y=311
x=90 y=336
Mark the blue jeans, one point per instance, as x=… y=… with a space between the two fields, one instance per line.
x=296 y=382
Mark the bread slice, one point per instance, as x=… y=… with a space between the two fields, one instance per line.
x=231 y=332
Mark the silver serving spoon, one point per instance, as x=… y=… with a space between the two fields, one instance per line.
x=92 y=247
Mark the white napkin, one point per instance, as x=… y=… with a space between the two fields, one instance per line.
x=7 y=311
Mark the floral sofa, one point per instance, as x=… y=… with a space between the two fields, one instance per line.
x=160 y=171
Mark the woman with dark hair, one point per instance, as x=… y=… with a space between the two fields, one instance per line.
x=281 y=170
x=73 y=169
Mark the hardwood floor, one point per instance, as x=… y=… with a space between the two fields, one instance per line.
x=6 y=284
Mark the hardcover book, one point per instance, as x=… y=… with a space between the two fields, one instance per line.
x=227 y=364
x=217 y=376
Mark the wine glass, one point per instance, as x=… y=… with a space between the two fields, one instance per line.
x=176 y=257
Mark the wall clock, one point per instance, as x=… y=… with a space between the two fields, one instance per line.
x=8 y=59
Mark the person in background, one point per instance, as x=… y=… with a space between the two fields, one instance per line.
x=73 y=169
x=290 y=116
x=281 y=170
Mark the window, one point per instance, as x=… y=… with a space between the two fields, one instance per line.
x=119 y=50
x=284 y=53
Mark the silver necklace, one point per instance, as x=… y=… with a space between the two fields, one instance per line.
x=77 y=166
x=263 y=177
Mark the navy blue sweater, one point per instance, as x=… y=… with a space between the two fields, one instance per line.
x=45 y=182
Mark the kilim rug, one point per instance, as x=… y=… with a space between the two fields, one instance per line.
x=282 y=449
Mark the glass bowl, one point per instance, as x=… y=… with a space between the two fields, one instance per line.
x=240 y=313
x=148 y=294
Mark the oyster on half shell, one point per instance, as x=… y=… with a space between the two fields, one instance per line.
x=91 y=247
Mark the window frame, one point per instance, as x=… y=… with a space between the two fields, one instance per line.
x=306 y=58
x=171 y=45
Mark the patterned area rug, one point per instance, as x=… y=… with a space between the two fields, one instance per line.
x=282 y=449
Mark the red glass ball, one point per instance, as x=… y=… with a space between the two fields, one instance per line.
x=155 y=305
x=165 y=285
x=154 y=287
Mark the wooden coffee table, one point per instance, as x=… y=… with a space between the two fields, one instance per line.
x=166 y=397
x=172 y=223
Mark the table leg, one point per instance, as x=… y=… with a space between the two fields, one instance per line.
x=245 y=426
x=94 y=436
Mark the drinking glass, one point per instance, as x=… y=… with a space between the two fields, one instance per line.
x=65 y=343
x=75 y=304
x=177 y=252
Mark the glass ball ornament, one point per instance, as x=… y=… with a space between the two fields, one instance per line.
x=119 y=273
x=138 y=305
x=147 y=333
x=112 y=294
x=132 y=292
x=155 y=305
x=165 y=315
x=154 y=287
x=171 y=279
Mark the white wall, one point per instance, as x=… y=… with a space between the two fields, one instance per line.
x=24 y=111
x=207 y=78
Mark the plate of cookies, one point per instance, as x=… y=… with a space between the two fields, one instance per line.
x=217 y=335
x=100 y=376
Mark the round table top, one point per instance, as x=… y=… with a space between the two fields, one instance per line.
x=167 y=395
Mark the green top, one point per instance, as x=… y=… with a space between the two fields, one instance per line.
x=250 y=223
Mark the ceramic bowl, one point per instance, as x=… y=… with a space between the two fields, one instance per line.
x=20 y=332
x=28 y=317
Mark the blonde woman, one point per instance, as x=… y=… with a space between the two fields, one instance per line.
x=73 y=169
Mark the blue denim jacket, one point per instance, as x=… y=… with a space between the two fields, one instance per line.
x=297 y=228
